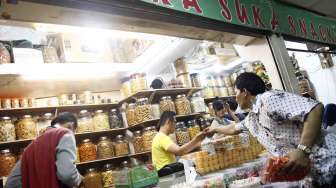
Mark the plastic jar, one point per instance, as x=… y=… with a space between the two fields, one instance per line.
x=93 y=179
x=44 y=122
x=130 y=114
x=115 y=120
x=138 y=142
x=167 y=104
x=7 y=130
x=182 y=105
x=105 y=148
x=121 y=146
x=143 y=110
x=197 y=103
x=193 y=129
x=182 y=135
x=26 y=128
x=7 y=162
x=101 y=121
x=148 y=136
x=87 y=151
x=107 y=176
x=85 y=122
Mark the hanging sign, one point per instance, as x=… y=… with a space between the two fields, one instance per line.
x=267 y=15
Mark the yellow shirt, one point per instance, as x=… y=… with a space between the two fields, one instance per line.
x=160 y=155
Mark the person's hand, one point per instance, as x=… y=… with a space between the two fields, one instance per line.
x=210 y=130
x=298 y=160
x=200 y=136
x=227 y=107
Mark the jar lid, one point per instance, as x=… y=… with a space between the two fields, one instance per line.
x=86 y=140
x=137 y=132
x=6 y=118
x=115 y=110
x=83 y=112
x=131 y=104
x=5 y=151
x=120 y=136
x=147 y=128
x=91 y=170
x=108 y=166
x=165 y=97
x=27 y=116
x=103 y=138
x=47 y=115
x=180 y=96
x=99 y=111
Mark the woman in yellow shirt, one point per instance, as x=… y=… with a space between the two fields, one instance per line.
x=164 y=149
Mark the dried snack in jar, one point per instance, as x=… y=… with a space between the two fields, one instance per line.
x=43 y=123
x=121 y=146
x=93 y=179
x=105 y=148
x=182 y=105
x=101 y=121
x=138 y=142
x=130 y=115
x=193 y=129
x=85 y=122
x=26 y=128
x=107 y=176
x=148 y=137
x=7 y=130
x=143 y=110
x=7 y=162
x=167 y=104
x=182 y=135
x=87 y=151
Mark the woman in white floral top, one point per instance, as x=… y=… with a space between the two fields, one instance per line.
x=286 y=125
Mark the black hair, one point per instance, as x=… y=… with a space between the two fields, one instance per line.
x=166 y=116
x=157 y=84
x=64 y=117
x=218 y=104
x=251 y=82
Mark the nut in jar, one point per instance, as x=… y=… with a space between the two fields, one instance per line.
x=26 y=128
x=130 y=114
x=121 y=146
x=143 y=110
x=7 y=130
x=167 y=104
x=183 y=106
x=7 y=162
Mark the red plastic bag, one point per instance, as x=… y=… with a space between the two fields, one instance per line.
x=274 y=165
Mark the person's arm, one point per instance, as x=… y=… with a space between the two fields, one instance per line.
x=226 y=130
x=67 y=172
x=231 y=113
x=186 y=148
x=15 y=179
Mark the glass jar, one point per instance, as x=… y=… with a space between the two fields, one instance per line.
x=133 y=81
x=130 y=114
x=193 y=129
x=216 y=91
x=211 y=110
x=7 y=162
x=143 y=110
x=5 y=57
x=15 y=103
x=44 y=122
x=231 y=91
x=208 y=92
x=227 y=81
x=7 y=130
x=26 y=128
x=115 y=119
x=85 y=122
x=121 y=146
x=167 y=104
x=220 y=81
x=101 y=121
x=197 y=103
x=223 y=92
x=6 y=103
x=138 y=142
x=156 y=111
x=195 y=80
x=182 y=135
x=86 y=97
x=107 y=176
x=93 y=179
x=126 y=88
x=182 y=105
x=148 y=136
x=87 y=151
x=211 y=82
x=105 y=148
x=142 y=82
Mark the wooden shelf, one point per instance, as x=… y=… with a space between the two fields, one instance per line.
x=15 y=143
x=207 y=100
x=100 y=160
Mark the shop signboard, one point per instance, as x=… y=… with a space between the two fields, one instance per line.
x=269 y=15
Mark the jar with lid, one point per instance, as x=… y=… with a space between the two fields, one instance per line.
x=195 y=80
x=85 y=122
x=167 y=104
x=44 y=122
x=197 y=103
x=7 y=130
x=93 y=179
x=15 y=103
x=193 y=129
x=211 y=110
x=182 y=105
x=105 y=148
x=5 y=57
x=231 y=91
x=148 y=136
x=182 y=135
x=121 y=146
x=142 y=82
x=101 y=121
x=130 y=114
x=223 y=91
x=7 y=162
x=138 y=142
x=26 y=128
x=115 y=119
x=143 y=110
x=107 y=176
x=87 y=151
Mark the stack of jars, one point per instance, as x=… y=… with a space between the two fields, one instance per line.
x=182 y=134
x=148 y=136
x=7 y=162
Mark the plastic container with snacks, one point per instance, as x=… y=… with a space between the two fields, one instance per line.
x=7 y=162
x=182 y=105
x=105 y=148
x=121 y=146
x=197 y=103
x=193 y=128
x=115 y=119
x=107 y=176
x=7 y=130
x=185 y=79
x=130 y=114
x=181 y=66
x=138 y=142
x=148 y=136
x=44 y=122
x=26 y=128
x=101 y=121
x=182 y=135
x=167 y=104
x=208 y=92
x=85 y=122
x=93 y=179
x=143 y=110
x=87 y=151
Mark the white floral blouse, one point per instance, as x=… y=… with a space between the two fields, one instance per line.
x=276 y=120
